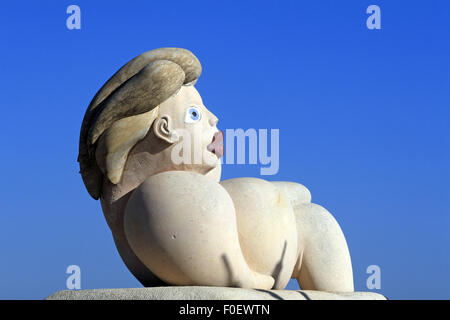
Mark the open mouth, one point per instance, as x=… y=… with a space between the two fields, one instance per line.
x=216 y=145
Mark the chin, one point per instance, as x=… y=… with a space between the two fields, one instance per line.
x=202 y=168
x=210 y=160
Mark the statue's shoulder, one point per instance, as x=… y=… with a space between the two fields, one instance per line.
x=295 y=192
x=249 y=184
x=171 y=187
x=177 y=179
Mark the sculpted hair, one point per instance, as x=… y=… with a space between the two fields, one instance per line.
x=122 y=111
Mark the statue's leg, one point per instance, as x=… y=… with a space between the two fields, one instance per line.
x=324 y=260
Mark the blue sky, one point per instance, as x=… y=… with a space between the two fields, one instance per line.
x=363 y=118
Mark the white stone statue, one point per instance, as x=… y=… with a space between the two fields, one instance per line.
x=176 y=223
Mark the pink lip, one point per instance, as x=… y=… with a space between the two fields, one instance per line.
x=216 y=145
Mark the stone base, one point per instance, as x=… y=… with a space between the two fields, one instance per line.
x=207 y=293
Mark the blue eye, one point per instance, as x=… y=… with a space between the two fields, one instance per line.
x=192 y=115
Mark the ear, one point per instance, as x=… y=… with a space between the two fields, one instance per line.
x=163 y=129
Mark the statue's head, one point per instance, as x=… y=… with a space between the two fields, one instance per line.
x=149 y=118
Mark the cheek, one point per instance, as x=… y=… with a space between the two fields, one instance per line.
x=208 y=132
x=195 y=132
x=178 y=123
x=200 y=132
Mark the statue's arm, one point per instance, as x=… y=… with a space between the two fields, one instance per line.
x=182 y=226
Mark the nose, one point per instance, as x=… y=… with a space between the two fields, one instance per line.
x=213 y=120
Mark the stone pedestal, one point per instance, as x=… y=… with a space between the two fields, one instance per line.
x=207 y=293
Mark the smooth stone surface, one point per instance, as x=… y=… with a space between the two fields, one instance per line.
x=208 y=293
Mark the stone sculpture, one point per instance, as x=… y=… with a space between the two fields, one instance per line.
x=176 y=223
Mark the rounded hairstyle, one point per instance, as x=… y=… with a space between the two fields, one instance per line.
x=138 y=87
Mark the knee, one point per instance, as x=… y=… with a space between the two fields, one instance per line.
x=318 y=231
x=317 y=218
